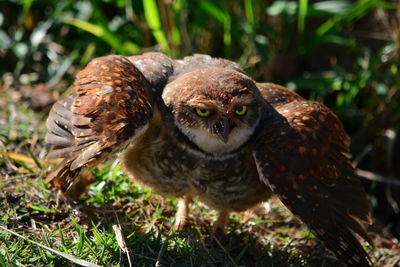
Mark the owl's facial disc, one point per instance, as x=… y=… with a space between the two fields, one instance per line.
x=214 y=108
x=218 y=128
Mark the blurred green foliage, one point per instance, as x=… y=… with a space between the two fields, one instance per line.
x=342 y=52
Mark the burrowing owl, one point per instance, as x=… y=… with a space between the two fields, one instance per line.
x=199 y=127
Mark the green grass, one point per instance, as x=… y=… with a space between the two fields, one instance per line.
x=84 y=229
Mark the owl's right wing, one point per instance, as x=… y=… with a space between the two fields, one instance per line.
x=111 y=107
x=303 y=155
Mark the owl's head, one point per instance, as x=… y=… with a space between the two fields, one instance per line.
x=215 y=108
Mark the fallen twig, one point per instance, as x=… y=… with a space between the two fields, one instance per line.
x=368 y=175
x=121 y=241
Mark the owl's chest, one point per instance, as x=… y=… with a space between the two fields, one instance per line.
x=171 y=169
x=157 y=161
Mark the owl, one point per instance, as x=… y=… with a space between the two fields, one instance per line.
x=200 y=127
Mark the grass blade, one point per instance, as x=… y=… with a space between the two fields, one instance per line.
x=42 y=209
x=152 y=16
x=213 y=10
x=86 y=26
x=248 y=8
x=104 y=34
x=335 y=24
x=2 y=260
x=223 y=17
x=59 y=253
x=302 y=15
x=23 y=158
x=35 y=159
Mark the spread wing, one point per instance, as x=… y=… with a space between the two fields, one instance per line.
x=111 y=106
x=303 y=154
x=156 y=68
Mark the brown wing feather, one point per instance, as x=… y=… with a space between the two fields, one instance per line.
x=111 y=106
x=156 y=68
x=303 y=156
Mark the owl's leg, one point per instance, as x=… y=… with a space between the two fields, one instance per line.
x=182 y=215
x=218 y=227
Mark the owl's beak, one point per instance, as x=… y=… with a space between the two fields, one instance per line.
x=222 y=129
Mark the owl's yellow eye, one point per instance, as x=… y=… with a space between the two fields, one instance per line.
x=241 y=110
x=202 y=112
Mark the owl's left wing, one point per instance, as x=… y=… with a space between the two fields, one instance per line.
x=302 y=154
x=111 y=107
